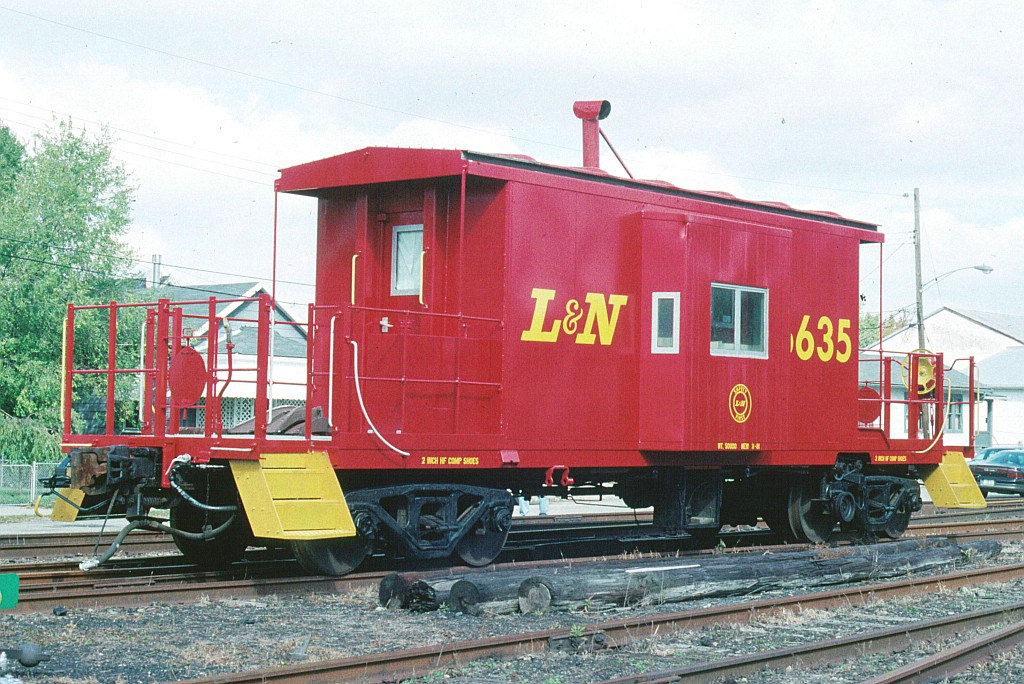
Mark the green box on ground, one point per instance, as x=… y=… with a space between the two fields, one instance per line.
x=8 y=590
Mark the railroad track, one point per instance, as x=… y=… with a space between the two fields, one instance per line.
x=60 y=576
x=134 y=591
x=421 y=662
x=137 y=581
x=937 y=667
x=19 y=546
x=1002 y=528
x=72 y=543
x=541 y=529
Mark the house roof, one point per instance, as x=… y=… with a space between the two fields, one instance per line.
x=245 y=341
x=202 y=293
x=1005 y=369
x=1010 y=325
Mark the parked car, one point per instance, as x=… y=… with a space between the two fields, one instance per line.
x=1002 y=473
x=989 y=452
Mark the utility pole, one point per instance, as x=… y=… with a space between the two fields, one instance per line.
x=158 y=260
x=917 y=263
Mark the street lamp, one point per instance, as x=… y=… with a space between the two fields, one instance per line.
x=984 y=268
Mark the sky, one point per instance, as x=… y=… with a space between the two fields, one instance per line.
x=838 y=106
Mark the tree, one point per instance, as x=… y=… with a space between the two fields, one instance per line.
x=60 y=223
x=870 y=329
x=11 y=153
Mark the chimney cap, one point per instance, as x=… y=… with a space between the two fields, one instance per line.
x=589 y=110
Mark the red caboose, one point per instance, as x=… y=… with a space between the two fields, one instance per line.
x=487 y=324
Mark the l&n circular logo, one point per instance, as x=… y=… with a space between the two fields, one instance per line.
x=740 y=403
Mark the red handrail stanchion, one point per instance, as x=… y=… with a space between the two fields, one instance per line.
x=262 y=367
x=212 y=422
x=160 y=396
x=149 y=375
x=68 y=379
x=111 y=366
x=309 y=373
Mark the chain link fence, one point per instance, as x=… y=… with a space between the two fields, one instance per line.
x=19 y=482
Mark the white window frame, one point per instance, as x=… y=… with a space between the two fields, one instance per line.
x=955 y=413
x=737 y=323
x=674 y=298
x=396 y=231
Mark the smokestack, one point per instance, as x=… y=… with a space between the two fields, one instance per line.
x=591 y=111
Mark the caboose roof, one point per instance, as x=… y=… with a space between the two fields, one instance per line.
x=389 y=164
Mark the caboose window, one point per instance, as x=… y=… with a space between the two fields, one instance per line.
x=406 y=261
x=739 y=321
x=955 y=413
x=665 y=323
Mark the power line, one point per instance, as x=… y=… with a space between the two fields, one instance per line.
x=891 y=255
x=197 y=168
x=158 y=159
x=122 y=141
x=274 y=81
x=83 y=269
x=143 y=261
x=131 y=132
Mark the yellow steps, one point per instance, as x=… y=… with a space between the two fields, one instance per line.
x=62 y=510
x=951 y=483
x=293 y=496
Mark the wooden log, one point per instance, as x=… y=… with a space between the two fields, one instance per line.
x=616 y=584
x=427 y=595
x=534 y=596
x=496 y=590
x=393 y=591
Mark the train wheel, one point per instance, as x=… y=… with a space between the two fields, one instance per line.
x=337 y=556
x=219 y=552
x=807 y=520
x=481 y=546
x=897 y=525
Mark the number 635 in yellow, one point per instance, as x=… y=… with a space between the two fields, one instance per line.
x=833 y=340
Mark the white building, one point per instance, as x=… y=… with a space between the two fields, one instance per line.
x=1003 y=377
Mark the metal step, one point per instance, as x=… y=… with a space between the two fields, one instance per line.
x=293 y=497
x=951 y=483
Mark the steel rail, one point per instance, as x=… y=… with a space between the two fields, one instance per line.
x=49 y=579
x=993 y=529
x=143 y=590
x=19 y=546
x=417 y=662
